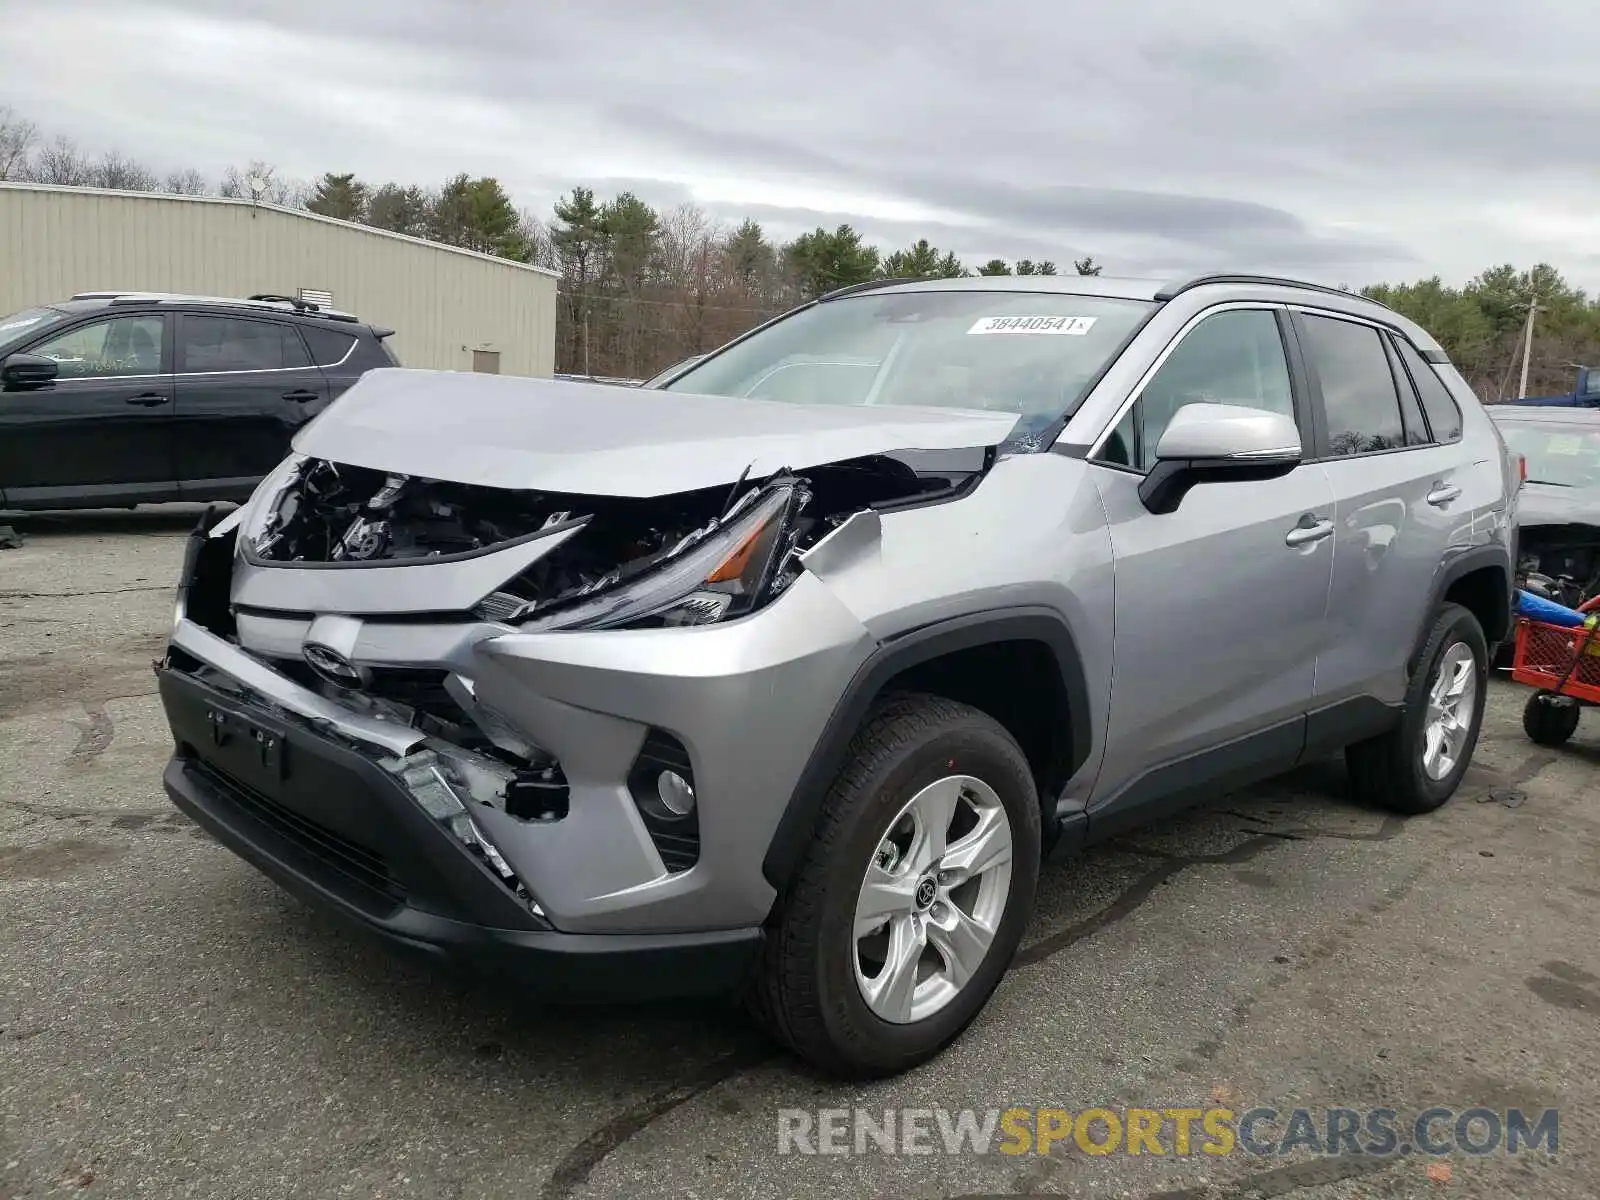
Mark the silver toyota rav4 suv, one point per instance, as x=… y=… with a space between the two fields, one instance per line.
x=783 y=675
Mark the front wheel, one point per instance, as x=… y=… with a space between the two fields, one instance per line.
x=912 y=900
x=1417 y=766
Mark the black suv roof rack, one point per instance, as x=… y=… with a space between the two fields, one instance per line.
x=258 y=301
x=298 y=304
x=1177 y=289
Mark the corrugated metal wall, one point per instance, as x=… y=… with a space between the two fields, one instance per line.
x=444 y=304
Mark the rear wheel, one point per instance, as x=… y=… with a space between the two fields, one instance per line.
x=912 y=900
x=1549 y=719
x=1417 y=766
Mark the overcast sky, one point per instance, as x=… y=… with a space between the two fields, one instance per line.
x=1344 y=140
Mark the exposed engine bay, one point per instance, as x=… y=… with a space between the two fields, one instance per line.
x=331 y=513
x=1559 y=562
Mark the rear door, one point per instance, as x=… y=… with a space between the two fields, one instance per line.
x=1397 y=507
x=244 y=385
x=101 y=431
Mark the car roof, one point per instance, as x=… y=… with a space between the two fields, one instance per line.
x=1110 y=286
x=278 y=306
x=1222 y=286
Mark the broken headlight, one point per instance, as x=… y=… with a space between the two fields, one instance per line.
x=721 y=577
x=263 y=516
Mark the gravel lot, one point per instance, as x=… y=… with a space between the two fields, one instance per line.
x=173 y=1025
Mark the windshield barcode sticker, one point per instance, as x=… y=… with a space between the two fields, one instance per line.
x=1070 y=326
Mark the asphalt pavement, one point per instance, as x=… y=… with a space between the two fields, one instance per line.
x=172 y=1025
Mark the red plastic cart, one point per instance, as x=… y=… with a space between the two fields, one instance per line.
x=1563 y=666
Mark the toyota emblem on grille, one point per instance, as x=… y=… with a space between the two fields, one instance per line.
x=332 y=666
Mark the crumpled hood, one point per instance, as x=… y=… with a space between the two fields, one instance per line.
x=608 y=440
x=1548 y=504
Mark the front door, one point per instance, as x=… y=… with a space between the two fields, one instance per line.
x=101 y=431
x=1220 y=605
x=244 y=385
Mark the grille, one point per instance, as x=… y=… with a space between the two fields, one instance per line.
x=363 y=872
x=498 y=606
x=420 y=688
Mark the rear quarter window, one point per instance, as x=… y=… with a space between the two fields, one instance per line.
x=1444 y=415
x=328 y=347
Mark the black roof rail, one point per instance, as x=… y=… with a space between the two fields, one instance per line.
x=1172 y=290
x=296 y=302
x=257 y=302
x=871 y=285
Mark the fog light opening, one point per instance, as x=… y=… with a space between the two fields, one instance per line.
x=675 y=793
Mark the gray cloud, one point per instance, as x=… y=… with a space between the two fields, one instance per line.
x=1344 y=139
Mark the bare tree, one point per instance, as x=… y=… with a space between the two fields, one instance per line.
x=687 y=262
x=536 y=235
x=122 y=174
x=242 y=184
x=61 y=162
x=187 y=182
x=16 y=140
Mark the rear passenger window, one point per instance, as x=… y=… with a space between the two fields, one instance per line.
x=327 y=347
x=1358 y=392
x=230 y=344
x=1444 y=415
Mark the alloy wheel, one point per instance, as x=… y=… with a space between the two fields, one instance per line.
x=932 y=899
x=1452 y=704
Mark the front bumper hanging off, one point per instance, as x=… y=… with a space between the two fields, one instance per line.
x=325 y=822
x=306 y=790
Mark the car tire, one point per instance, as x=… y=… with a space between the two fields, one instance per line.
x=1549 y=722
x=813 y=991
x=1395 y=770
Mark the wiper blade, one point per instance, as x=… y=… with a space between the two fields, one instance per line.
x=1548 y=482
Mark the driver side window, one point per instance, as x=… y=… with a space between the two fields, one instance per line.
x=1233 y=357
x=120 y=346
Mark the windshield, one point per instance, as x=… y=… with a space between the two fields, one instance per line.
x=29 y=321
x=1030 y=353
x=655 y=380
x=1567 y=455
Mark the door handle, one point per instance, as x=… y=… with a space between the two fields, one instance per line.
x=1307 y=532
x=1443 y=493
x=300 y=396
x=148 y=399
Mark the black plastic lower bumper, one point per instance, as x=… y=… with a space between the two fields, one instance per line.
x=329 y=825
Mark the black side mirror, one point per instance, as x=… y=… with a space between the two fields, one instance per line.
x=28 y=370
x=1218 y=443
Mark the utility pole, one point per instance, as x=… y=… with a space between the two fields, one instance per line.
x=1527 y=348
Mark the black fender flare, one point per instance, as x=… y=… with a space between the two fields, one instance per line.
x=1464 y=564
x=798 y=824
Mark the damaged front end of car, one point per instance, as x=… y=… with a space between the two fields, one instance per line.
x=1559 y=562
x=692 y=558
x=401 y=626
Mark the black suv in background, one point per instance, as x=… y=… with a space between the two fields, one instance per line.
x=124 y=398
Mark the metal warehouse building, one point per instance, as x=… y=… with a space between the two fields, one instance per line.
x=452 y=309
